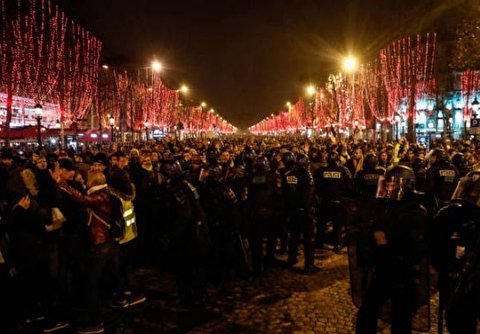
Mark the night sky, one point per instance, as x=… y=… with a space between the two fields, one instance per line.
x=246 y=58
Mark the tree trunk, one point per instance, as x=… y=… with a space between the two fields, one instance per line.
x=9 y=114
x=411 y=135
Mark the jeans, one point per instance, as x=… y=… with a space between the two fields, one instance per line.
x=98 y=258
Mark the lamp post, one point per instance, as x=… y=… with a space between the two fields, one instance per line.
x=310 y=90
x=203 y=105
x=356 y=130
x=147 y=124
x=38 y=109
x=350 y=65
x=111 y=121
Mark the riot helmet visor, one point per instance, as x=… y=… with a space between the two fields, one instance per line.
x=468 y=189
x=391 y=187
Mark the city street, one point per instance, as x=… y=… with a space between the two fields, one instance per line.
x=281 y=301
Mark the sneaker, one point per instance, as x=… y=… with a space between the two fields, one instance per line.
x=94 y=329
x=50 y=328
x=137 y=299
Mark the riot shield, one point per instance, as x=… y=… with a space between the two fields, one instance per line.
x=359 y=252
x=364 y=265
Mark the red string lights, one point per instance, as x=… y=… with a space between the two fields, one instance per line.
x=470 y=83
x=402 y=73
x=47 y=57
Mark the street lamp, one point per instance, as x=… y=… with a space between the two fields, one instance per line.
x=310 y=90
x=203 y=104
x=184 y=89
x=288 y=105
x=156 y=66
x=111 y=121
x=38 y=109
x=349 y=63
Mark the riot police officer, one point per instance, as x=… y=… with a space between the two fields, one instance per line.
x=461 y=163
x=419 y=166
x=248 y=158
x=264 y=191
x=366 y=179
x=332 y=184
x=455 y=253
x=392 y=255
x=315 y=157
x=220 y=205
x=297 y=189
x=188 y=234
x=441 y=179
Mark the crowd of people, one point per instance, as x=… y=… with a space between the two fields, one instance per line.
x=76 y=224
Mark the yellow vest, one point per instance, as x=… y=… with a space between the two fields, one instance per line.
x=130 y=222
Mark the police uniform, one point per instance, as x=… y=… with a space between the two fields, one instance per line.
x=393 y=257
x=441 y=180
x=455 y=250
x=220 y=205
x=332 y=184
x=298 y=188
x=366 y=181
x=264 y=191
x=188 y=235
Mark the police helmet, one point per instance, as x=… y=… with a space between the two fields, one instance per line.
x=371 y=161
x=419 y=165
x=397 y=181
x=288 y=159
x=468 y=188
x=439 y=153
x=333 y=158
x=460 y=162
x=403 y=172
x=171 y=168
x=262 y=163
x=302 y=160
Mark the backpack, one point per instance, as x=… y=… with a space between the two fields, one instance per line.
x=118 y=226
